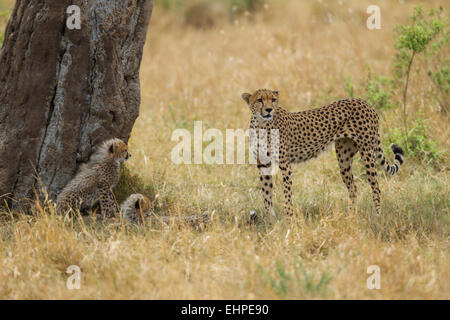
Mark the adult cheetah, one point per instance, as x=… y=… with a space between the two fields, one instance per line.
x=351 y=123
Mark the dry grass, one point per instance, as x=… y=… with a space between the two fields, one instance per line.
x=306 y=50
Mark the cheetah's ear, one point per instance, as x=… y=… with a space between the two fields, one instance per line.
x=137 y=205
x=112 y=148
x=246 y=97
x=275 y=92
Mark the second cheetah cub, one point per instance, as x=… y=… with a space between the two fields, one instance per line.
x=137 y=207
x=95 y=180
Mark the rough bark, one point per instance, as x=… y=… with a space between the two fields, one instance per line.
x=63 y=91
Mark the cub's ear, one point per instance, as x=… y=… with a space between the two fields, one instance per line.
x=137 y=205
x=112 y=148
x=246 y=97
x=275 y=92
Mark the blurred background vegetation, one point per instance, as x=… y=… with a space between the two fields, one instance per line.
x=421 y=40
x=5 y=9
x=414 y=51
x=200 y=56
x=411 y=48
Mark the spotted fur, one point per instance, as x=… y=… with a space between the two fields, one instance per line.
x=136 y=208
x=95 y=180
x=351 y=124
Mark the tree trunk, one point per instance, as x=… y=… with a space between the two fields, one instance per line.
x=65 y=90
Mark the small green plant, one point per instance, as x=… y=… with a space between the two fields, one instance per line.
x=130 y=183
x=280 y=284
x=378 y=92
x=298 y=279
x=310 y=282
x=349 y=87
x=412 y=40
x=420 y=147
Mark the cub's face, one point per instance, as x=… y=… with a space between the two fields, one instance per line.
x=118 y=150
x=263 y=103
x=138 y=207
x=142 y=204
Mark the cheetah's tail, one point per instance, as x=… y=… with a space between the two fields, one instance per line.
x=391 y=169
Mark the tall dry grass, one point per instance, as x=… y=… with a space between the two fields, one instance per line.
x=306 y=50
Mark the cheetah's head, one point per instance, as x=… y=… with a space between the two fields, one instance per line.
x=135 y=207
x=263 y=103
x=142 y=203
x=117 y=149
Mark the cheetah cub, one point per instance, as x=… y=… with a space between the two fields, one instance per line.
x=95 y=180
x=136 y=208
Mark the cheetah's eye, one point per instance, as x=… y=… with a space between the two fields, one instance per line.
x=274 y=100
x=259 y=100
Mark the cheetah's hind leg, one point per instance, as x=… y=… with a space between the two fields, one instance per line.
x=345 y=151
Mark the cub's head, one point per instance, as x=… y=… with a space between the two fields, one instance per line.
x=116 y=149
x=141 y=203
x=263 y=103
x=135 y=207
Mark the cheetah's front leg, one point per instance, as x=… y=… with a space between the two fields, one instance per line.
x=267 y=189
x=107 y=203
x=285 y=168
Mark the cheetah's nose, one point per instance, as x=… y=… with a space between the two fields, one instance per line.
x=268 y=110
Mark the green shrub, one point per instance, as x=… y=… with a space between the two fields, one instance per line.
x=415 y=38
x=349 y=87
x=420 y=146
x=411 y=41
x=130 y=183
x=378 y=92
x=293 y=279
